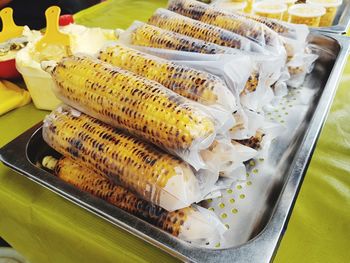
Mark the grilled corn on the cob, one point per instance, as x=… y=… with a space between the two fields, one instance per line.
x=151 y=173
x=279 y=27
x=141 y=34
x=191 y=83
x=188 y=223
x=180 y=24
x=130 y=102
x=248 y=28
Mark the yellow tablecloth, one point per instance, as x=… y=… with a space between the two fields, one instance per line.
x=46 y=228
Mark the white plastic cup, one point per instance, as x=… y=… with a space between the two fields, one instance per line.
x=40 y=86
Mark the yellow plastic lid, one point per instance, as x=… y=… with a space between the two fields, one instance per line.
x=307 y=10
x=326 y=3
x=270 y=7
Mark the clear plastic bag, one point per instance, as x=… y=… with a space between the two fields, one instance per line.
x=294 y=37
x=235 y=68
x=293 y=31
x=141 y=34
x=140 y=106
x=210 y=14
x=236 y=170
x=192 y=224
x=180 y=24
x=151 y=173
x=191 y=83
x=299 y=66
x=248 y=77
x=202 y=226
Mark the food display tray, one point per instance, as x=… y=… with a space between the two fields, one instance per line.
x=341 y=21
x=25 y=153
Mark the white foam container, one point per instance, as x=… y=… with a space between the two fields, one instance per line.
x=40 y=86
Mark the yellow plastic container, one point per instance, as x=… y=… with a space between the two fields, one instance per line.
x=270 y=9
x=307 y=14
x=40 y=85
x=331 y=7
x=289 y=3
x=234 y=6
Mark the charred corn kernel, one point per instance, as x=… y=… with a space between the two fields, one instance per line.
x=253 y=142
x=151 y=173
x=194 y=84
x=180 y=24
x=230 y=21
x=152 y=36
x=130 y=102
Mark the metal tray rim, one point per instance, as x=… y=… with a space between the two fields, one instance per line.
x=268 y=239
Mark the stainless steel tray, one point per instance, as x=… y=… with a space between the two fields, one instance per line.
x=341 y=21
x=23 y=153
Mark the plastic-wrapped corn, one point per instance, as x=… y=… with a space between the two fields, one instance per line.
x=142 y=168
x=294 y=37
x=248 y=28
x=181 y=24
x=191 y=83
x=140 y=106
x=190 y=223
x=297 y=32
x=141 y=34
